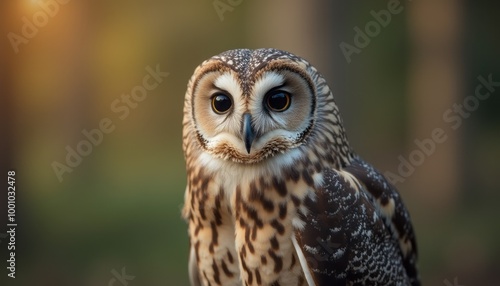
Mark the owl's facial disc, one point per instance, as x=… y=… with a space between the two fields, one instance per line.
x=248 y=120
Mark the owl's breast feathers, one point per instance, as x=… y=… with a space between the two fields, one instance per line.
x=313 y=225
x=357 y=231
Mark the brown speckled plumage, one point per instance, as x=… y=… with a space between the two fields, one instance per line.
x=278 y=197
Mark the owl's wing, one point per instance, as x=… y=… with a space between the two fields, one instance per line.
x=357 y=232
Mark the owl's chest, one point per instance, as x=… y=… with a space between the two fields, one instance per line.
x=242 y=229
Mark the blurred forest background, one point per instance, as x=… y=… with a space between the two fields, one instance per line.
x=120 y=207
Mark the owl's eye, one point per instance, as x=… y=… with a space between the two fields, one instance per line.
x=278 y=101
x=221 y=103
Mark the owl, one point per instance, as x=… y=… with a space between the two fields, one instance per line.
x=275 y=195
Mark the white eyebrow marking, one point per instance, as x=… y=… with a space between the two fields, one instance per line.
x=267 y=82
x=228 y=83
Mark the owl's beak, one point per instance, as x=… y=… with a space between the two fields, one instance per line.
x=248 y=132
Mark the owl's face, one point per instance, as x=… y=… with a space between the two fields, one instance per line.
x=248 y=106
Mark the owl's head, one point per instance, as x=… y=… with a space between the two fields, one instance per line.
x=250 y=105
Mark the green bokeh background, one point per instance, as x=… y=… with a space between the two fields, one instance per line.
x=121 y=206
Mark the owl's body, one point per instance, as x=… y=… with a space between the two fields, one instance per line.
x=275 y=195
